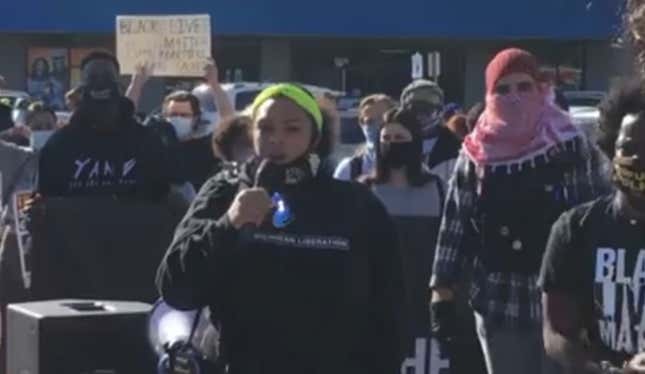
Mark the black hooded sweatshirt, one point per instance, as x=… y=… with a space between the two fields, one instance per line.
x=78 y=160
x=321 y=295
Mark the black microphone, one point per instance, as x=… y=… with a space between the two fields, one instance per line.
x=265 y=177
x=268 y=176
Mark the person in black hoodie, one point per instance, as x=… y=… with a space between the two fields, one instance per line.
x=301 y=271
x=104 y=150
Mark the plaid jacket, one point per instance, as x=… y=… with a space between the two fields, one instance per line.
x=504 y=299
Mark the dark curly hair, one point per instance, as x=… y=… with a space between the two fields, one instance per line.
x=634 y=18
x=627 y=98
x=230 y=132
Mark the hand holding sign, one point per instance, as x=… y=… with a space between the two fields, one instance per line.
x=211 y=73
x=143 y=72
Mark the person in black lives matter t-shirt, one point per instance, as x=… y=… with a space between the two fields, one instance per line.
x=301 y=271
x=593 y=274
x=104 y=150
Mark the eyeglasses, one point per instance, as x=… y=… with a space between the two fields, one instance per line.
x=521 y=87
x=182 y=115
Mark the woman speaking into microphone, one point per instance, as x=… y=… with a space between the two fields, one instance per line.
x=300 y=271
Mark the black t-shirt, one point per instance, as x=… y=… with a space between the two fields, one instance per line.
x=79 y=161
x=194 y=161
x=597 y=257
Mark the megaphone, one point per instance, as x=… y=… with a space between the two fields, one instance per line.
x=185 y=341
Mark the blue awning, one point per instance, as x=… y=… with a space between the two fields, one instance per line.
x=458 y=19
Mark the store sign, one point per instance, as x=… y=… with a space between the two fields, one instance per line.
x=434 y=65
x=175 y=46
x=417 y=66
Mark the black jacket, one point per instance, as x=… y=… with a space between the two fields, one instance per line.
x=194 y=161
x=446 y=148
x=79 y=161
x=320 y=296
x=190 y=161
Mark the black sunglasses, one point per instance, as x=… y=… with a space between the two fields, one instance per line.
x=521 y=87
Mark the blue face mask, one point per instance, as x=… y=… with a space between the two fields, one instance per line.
x=371 y=132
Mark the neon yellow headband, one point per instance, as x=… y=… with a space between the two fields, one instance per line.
x=295 y=94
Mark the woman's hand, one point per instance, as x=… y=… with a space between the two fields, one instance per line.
x=250 y=206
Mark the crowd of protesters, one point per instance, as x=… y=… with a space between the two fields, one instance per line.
x=499 y=228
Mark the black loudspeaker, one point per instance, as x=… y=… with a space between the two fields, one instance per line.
x=79 y=337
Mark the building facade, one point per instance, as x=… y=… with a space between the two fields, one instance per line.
x=359 y=46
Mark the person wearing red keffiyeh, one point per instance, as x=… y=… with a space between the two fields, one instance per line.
x=522 y=166
x=519 y=121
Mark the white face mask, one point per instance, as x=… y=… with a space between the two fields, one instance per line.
x=40 y=138
x=183 y=127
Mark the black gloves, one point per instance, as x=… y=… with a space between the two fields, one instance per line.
x=443 y=320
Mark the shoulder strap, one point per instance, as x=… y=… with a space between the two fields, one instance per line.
x=356 y=167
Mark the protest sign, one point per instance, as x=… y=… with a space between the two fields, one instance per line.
x=174 y=46
x=20 y=200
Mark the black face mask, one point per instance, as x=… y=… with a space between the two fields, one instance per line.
x=100 y=105
x=276 y=178
x=629 y=168
x=398 y=155
x=630 y=179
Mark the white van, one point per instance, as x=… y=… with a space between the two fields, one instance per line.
x=242 y=94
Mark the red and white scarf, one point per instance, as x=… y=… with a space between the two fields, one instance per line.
x=515 y=128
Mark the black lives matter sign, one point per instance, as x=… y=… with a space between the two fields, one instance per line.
x=174 y=45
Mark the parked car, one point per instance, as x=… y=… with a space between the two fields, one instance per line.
x=586 y=118
x=12 y=96
x=583 y=107
x=584 y=98
x=242 y=94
